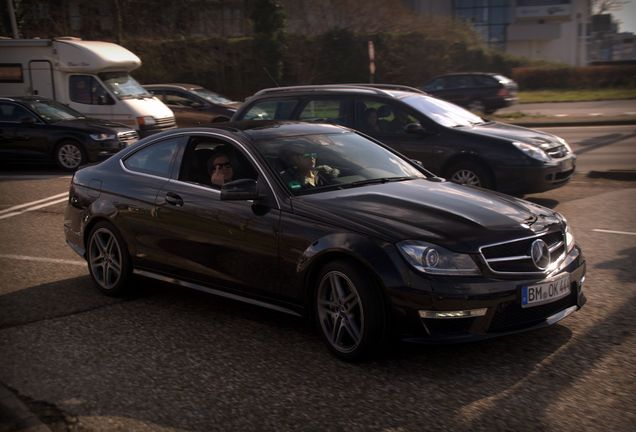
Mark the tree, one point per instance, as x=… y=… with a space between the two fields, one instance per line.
x=605 y=6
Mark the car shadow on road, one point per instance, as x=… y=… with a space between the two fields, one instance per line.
x=601 y=141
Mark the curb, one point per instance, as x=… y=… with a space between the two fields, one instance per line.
x=560 y=123
x=15 y=416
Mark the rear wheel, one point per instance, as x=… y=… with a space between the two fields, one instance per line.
x=108 y=259
x=349 y=311
x=470 y=173
x=69 y=155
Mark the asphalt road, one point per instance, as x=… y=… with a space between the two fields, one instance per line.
x=614 y=108
x=171 y=359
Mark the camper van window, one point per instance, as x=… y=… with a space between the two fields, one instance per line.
x=11 y=73
x=123 y=85
x=85 y=89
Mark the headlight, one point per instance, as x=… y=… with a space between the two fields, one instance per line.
x=532 y=151
x=569 y=238
x=103 y=136
x=433 y=259
x=146 y=121
x=565 y=143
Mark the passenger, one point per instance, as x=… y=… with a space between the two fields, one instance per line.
x=371 y=120
x=220 y=169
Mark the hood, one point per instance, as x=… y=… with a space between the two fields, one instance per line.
x=232 y=105
x=148 y=106
x=457 y=217
x=93 y=125
x=513 y=133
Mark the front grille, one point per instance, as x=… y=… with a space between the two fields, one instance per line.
x=510 y=316
x=164 y=123
x=514 y=256
x=557 y=152
x=127 y=138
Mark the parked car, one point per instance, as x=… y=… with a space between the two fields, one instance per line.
x=41 y=130
x=194 y=105
x=447 y=139
x=479 y=92
x=379 y=246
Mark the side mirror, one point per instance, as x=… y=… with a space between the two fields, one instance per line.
x=240 y=190
x=416 y=128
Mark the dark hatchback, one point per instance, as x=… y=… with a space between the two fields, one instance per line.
x=194 y=105
x=35 y=129
x=479 y=92
x=449 y=140
x=379 y=247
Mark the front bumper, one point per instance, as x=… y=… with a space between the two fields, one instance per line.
x=536 y=178
x=500 y=297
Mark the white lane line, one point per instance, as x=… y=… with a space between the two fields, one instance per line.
x=50 y=203
x=10 y=209
x=41 y=259
x=33 y=177
x=561 y=115
x=614 y=232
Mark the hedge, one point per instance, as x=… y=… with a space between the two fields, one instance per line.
x=535 y=78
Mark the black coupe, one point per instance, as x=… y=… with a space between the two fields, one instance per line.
x=318 y=220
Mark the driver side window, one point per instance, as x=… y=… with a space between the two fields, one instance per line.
x=85 y=89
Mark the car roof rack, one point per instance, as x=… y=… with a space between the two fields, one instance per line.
x=373 y=88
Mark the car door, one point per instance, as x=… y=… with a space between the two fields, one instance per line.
x=426 y=145
x=188 y=109
x=229 y=244
x=23 y=135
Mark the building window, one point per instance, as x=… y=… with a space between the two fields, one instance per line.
x=11 y=73
x=489 y=18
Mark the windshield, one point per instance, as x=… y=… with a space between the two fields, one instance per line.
x=53 y=112
x=211 y=96
x=442 y=112
x=314 y=163
x=123 y=85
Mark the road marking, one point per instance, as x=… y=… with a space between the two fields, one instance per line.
x=33 y=177
x=10 y=209
x=6 y=215
x=561 y=115
x=595 y=114
x=41 y=259
x=614 y=232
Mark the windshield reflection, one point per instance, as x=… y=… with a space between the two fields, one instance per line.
x=53 y=112
x=314 y=163
x=442 y=112
x=123 y=85
x=211 y=96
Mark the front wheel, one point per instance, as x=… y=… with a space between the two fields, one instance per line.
x=471 y=174
x=108 y=259
x=69 y=155
x=349 y=311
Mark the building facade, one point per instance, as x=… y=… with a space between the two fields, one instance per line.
x=551 y=30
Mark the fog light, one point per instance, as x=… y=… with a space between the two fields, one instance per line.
x=453 y=314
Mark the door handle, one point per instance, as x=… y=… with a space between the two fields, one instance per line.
x=174 y=199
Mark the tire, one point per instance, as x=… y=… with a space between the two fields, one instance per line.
x=470 y=173
x=108 y=261
x=477 y=107
x=69 y=155
x=349 y=311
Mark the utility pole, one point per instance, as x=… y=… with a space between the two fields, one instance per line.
x=14 y=23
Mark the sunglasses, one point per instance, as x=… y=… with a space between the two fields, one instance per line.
x=309 y=155
x=225 y=165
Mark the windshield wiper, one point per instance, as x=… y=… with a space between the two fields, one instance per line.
x=378 y=181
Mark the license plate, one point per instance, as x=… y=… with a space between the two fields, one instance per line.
x=567 y=164
x=545 y=292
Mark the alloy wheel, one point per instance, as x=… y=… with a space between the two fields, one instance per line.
x=69 y=156
x=340 y=312
x=466 y=177
x=105 y=258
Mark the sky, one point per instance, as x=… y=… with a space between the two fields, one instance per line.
x=627 y=16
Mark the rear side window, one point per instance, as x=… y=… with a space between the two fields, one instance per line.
x=271 y=110
x=156 y=159
x=326 y=110
x=14 y=113
x=485 y=81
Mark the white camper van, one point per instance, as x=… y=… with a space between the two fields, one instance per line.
x=89 y=76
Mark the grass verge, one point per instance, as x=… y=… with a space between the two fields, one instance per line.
x=580 y=95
